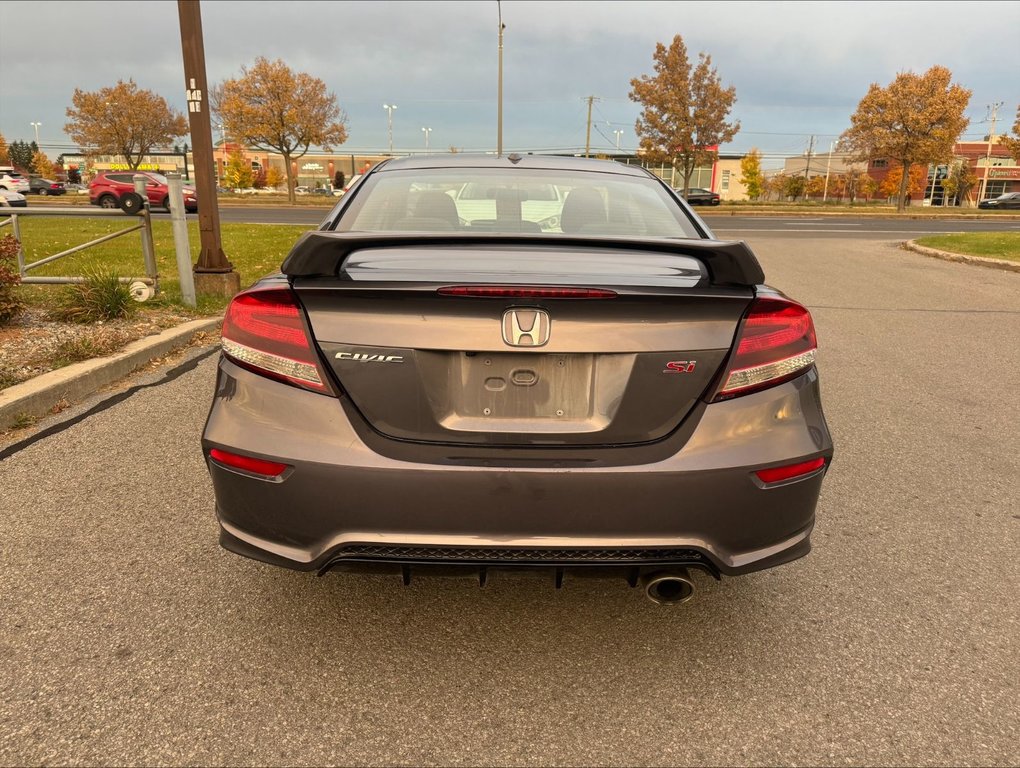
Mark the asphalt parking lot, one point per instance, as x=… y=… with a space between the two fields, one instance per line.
x=128 y=636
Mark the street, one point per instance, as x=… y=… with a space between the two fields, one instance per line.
x=724 y=225
x=129 y=637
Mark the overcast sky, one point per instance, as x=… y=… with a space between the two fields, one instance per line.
x=799 y=68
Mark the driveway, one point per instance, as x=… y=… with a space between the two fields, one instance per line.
x=128 y=636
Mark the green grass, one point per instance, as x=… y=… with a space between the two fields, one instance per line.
x=995 y=245
x=255 y=250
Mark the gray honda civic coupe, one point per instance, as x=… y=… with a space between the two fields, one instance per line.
x=482 y=362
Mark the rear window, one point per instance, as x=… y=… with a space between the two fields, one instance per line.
x=514 y=200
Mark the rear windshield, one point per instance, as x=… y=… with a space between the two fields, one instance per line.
x=515 y=200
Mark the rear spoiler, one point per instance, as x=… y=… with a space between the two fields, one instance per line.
x=322 y=254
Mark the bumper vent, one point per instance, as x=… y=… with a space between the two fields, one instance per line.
x=537 y=555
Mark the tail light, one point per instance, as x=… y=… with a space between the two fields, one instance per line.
x=264 y=331
x=790 y=471
x=525 y=292
x=270 y=470
x=776 y=342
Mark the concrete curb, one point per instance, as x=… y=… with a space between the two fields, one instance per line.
x=37 y=396
x=982 y=261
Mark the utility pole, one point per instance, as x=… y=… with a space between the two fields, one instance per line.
x=587 y=135
x=828 y=165
x=988 y=155
x=213 y=273
x=499 y=87
x=807 y=167
x=36 y=126
x=389 y=108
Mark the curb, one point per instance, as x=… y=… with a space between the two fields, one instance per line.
x=981 y=261
x=37 y=396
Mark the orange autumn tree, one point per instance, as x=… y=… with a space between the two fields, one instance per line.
x=123 y=120
x=915 y=120
x=684 y=111
x=894 y=182
x=272 y=108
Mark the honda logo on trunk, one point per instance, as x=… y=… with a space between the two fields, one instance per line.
x=526 y=327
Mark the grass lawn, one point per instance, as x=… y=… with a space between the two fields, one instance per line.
x=995 y=245
x=254 y=250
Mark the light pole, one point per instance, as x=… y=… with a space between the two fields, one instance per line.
x=618 y=133
x=499 y=90
x=426 y=131
x=988 y=155
x=36 y=126
x=389 y=121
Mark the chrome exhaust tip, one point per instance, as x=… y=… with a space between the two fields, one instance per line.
x=668 y=587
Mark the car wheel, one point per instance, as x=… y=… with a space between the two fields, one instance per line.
x=131 y=203
x=108 y=201
x=165 y=203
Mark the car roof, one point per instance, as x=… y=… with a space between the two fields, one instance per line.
x=512 y=160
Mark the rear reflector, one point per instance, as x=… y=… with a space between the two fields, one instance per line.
x=525 y=292
x=776 y=342
x=777 y=474
x=270 y=469
x=264 y=330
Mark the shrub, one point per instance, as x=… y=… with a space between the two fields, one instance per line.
x=101 y=296
x=10 y=305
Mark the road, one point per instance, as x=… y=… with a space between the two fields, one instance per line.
x=128 y=636
x=741 y=227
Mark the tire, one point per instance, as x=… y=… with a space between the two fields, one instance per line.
x=107 y=201
x=131 y=203
x=165 y=203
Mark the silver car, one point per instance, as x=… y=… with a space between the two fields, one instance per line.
x=617 y=393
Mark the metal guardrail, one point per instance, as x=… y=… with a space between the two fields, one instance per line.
x=142 y=288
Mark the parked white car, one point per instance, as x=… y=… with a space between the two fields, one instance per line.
x=12 y=180
x=12 y=199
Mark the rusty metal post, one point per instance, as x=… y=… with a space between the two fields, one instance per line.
x=148 y=248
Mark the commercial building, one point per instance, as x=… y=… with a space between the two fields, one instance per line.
x=996 y=170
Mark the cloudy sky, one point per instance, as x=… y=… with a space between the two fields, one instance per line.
x=799 y=67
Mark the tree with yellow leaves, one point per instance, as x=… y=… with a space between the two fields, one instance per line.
x=123 y=120
x=272 y=108
x=750 y=174
x=1013 y=142
x=916 y=120
x=41 y=165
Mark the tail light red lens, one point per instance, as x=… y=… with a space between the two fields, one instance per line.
x=776 y=342
x=790 y=471
x=525 y=292
x=264 y=331
x=268 y=469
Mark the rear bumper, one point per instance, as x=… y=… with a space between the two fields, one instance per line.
x=344 y=501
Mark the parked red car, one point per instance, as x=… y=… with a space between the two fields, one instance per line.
x=106 y=188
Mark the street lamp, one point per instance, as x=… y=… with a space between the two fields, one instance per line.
x=499 y=91
x=36 y=126
x=389 y=109
x=426 y=131
x=618 y=133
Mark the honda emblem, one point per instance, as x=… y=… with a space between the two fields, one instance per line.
x=526 y=327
